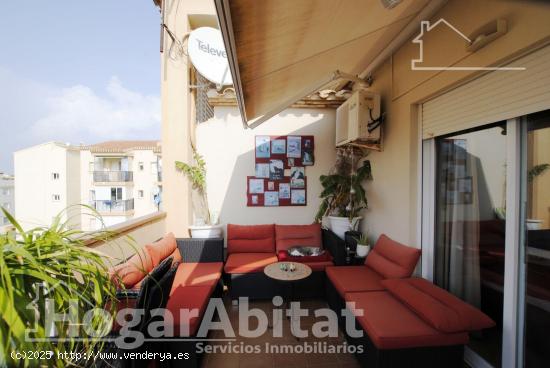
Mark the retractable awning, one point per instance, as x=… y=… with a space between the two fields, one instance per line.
x=280 y=51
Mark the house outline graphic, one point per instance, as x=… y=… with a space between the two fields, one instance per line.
x=425 y=27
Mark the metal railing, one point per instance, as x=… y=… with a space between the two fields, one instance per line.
x=113 y=176
x=123 y=205
x=159 y=176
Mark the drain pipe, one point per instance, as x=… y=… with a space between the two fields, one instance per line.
x=407 y=32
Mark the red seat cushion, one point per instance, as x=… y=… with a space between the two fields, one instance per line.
x=437 y=307
x=354 y=278
x=198 y=274
x=248 y=262
x=287 y=236
x=162 y=248
x=319 y=266
x=391 y=325
x=183 y=298
x=250 y=238
x=133 y=270
x=392 y=259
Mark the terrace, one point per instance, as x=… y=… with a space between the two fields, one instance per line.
x=459 y=166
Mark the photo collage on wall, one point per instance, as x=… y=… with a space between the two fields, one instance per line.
x=280 y=172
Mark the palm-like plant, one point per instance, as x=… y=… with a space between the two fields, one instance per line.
x=343 y=193
x=54 y=264
x=196 y=174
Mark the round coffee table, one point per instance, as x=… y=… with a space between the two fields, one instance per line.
x=301 y=271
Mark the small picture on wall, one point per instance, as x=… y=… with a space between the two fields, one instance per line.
x=278 y=146
x=262 y=146
x=270 y=185
x=262 y=171
x=271 y=199
x=284 y=190
x=297 y=177
x=307 y=153
x=276 y=169
x=298 y=197
x=294 y=146
x=254 y=199
x=290 y=162
x=256 y=185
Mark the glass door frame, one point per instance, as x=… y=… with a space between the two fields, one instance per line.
x=512 y=334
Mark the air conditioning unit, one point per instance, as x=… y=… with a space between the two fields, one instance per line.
x=357 y=119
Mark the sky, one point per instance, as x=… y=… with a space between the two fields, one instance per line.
x=77 y=71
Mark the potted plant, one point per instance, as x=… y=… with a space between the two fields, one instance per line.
x=532 y=174
x=51 y=269
x=343 y=195
x=203 y=226
x=363 y=247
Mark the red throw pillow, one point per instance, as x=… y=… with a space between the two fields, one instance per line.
x=162 y=248
x=283 y=256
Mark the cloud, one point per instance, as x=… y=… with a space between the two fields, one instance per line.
x=78 y=112
x=32 y=113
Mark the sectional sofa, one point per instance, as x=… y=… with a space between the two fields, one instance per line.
x=252 y=247
x=406 y=320
x=198 y=278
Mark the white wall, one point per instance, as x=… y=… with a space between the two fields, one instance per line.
x=35 y=187
x=229 y=153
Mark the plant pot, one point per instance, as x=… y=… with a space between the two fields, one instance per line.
x=206 y=231
x=362 y=250
x=533 y=224
x=339 y=225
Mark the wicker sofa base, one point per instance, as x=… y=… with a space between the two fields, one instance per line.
x=426 y=357
x=257 y=285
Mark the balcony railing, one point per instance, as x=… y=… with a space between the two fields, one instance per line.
x=113 y=176
x=123 y=205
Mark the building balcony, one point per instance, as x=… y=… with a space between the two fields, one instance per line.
x=113 y=176
x=117 y=206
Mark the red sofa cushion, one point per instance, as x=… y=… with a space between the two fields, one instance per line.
x=353 y=278
x=134 y=269
x=250 y=238
x=198 y=274
x=392 y=259
x=391 y=325
x=177 y=256
x=288 y=236
x=162 y=248
x=191 y=298
x=437 y=307
x=248 y=262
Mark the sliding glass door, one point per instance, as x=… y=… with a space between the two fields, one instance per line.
x=535 y=254
x=470 y=223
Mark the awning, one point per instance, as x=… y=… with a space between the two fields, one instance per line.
x=280 y=51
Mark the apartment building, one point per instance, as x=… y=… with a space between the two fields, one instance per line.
x=119 y=179
x=6 y=198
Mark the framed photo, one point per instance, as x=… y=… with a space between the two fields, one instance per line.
x=262 y=146
x=284 y=190
x=278 y=146
x=298 y=197
x=271 y=199
x=294 y=146
x=307 y=152
x=290 y=162
x=297 y=177
x=254 y=199
x=255 y=186
x=262 y=171
x=276 y=169
x=270 y=185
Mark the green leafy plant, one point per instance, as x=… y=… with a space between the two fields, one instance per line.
x=196 y=174
x=363 y=239
x=536 y=171
x=343 y=193
x=51 y=263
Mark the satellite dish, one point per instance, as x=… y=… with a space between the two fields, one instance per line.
x=207 y=53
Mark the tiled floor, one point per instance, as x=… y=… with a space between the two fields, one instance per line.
x=274 y=359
